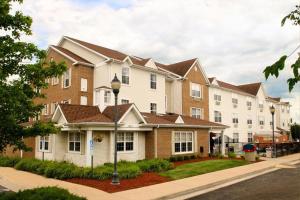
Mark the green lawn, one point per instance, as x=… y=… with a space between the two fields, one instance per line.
x=197 y=168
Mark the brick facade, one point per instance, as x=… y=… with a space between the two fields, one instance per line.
x=195 y=76
x=164 y=142
x=30 y=142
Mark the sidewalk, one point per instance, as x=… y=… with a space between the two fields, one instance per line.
x=16 y=180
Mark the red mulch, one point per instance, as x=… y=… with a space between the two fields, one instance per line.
x=143 y=180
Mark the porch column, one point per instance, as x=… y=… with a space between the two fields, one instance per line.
x=89 y=147
x=223 y=143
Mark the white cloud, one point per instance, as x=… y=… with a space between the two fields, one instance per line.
x=236 y=38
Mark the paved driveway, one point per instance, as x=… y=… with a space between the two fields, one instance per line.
x=283 y=184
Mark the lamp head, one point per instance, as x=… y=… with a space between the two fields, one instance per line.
x=272 y=110
x=115 y=84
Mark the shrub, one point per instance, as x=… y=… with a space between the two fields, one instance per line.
x=154 y=165
x=180 y=158
x=186 y=157
x=8 y=161
x=40 y=194
x=30 y=165
x=101 y=172
x=130 y=170
x=193 y=156
x=62 y=170
x=231 y=155
x=172 y=159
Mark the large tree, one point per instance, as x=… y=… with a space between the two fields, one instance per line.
x=279 y=65
x=295 y=131
x=18 y=80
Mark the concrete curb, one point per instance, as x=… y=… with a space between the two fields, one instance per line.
x=218 y=183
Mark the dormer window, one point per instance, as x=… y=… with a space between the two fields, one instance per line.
x=125 y=75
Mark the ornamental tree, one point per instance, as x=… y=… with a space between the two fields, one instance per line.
x=20 y=82
x=279 y=65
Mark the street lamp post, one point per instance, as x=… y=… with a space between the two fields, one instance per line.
x=272 y=110
x=115 y=85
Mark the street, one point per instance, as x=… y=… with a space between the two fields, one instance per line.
x=283 y=184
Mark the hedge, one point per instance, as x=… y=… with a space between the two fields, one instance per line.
x=40 y=194
x=9 y=161
x=65 y=170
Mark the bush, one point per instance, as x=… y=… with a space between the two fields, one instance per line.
x=154 y=165
x=8 y=161
x=231 y=155
x=30 y=165
x=40 y=194
x=186 y=157
x=62 y=170
x=193 y=156
x=172 y=159
x=180 y=158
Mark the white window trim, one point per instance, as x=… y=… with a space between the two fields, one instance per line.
x=133 y=141
x=70 y=79
x=81 y=100
x=155 y=106
x=43 y=144
x=201 y=112
x=173 y=143
x=153 y=81
x=86 y=88
x=46 y=111
x=129 y=72
x=74 y=152
x=123 y=99
x=55 y=80
x=200 y=90
x=109 y=99
x=218 y=117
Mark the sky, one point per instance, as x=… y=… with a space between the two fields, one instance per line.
x=233 y=39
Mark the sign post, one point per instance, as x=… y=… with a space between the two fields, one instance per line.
x=92 y=154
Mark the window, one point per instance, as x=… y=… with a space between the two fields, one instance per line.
x=249 y=121
x=125 y=75
x=261 y=106
x=217 y=99
x=74 y=142
x=282 y=123
x=125 y=141
x=53 y=107
x=249 y=105
x=153 y=108
x=67 y=78
x=44 y=143
x=288 y=110
x=55 y=80
x=183 y=142
x=66 y=101
x=235 y=138
x=250 y=137
x=124 y=101
x=47 y=80
x=218 y=116
x=83 y=100
x=196 y=90
x=153 y=81
x=235 y=118
x=234 y=102
x=83 y=84
x=196 y=113
x=107 y=96
x=282 y=109
x=261 y=121
x=45 y=110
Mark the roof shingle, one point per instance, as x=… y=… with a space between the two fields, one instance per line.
x=70 y=54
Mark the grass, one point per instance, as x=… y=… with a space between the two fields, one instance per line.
x=203 y=167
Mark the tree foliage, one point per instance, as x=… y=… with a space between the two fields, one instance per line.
x=17 y=94
x=279 y=65
x=295 y=131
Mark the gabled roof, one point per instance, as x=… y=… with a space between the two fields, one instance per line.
x=169 y=119
x=251 y=88
x=180 y=68
x=70 y=54
x=102 y=50
x=122 y=109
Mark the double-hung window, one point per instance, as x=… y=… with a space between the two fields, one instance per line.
x=261 y=121
x=235 y=102
x=196 y=113
x=83 y=100
x=153 y=108
x=261 y=106
x=74 y=142
x=218 y=116
x=124 y=101
x=250 y=137
x=183 y=142
x=249 y=121
x=55 y=80
x=53 y=107
x=235 y=137
x=249 y=105
x=217 y=99
x=195 y=90
x=125 y=141
x=153 y=81
x=67 y=78
x=45 y=110
x=235 y=118
x=125 y=75
x=107 y=96
x=44 y=143
x=83 y=85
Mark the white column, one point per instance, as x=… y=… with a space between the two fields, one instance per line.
x=223 y=143
x=88 y=150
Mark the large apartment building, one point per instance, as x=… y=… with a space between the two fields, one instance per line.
x=163 y=108
x=246 y=110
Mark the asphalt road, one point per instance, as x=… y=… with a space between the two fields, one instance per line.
x=282 y=184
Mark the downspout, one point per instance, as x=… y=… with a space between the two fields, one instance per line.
x=155 y=141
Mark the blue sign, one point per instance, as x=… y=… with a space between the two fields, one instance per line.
x=91 y=145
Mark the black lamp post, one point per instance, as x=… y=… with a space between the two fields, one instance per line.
x=115 y=85
x=272 y=110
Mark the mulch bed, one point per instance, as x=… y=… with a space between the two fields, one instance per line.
x=145 y=179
